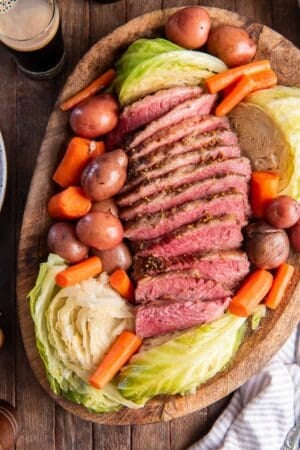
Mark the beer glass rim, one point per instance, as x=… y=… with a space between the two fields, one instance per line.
x=53 y=6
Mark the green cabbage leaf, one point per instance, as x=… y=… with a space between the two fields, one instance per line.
x=182 y=363
x=141 y=50
x=149 y=65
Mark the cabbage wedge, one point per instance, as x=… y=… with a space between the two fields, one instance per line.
x=268 y=125
x=62 y=379
x=149 y=65
x=182 y=363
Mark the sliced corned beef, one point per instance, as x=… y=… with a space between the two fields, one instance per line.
x=169 y=316
x=226 y=267
x=195 y=157
x=182 y=285
x=185 y=193
x=149 y=108
x=201 y=141
x=167 y=136
x=200 y=106
x=155 y=225
x=186 y=175
x=222 y=233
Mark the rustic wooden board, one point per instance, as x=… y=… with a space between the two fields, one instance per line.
x=259 y=347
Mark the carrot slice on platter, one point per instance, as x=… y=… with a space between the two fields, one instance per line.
x=71 y=203
x=118 y=355
x=220 y=81
x=251 y=293
x=84 y=270
x=264 y=187
x=282 y=278
x=97 y=85
x=78 y=154
x=242 y=88
x=264 y=80
x=120 y=281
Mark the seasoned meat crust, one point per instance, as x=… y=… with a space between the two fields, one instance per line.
x=183 y=208
x=226 y=267
x=155 y=225
x=149 y=108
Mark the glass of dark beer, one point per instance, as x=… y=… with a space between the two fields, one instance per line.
x=31 y=31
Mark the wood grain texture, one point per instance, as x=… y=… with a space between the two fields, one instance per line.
x=111 y=437
x=152 y=436
x=182 y=3
x=29 y=137
x=285 y=19
x=259 y=347
x=260 y=11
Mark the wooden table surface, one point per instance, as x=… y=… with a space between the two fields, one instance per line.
x=25 y=106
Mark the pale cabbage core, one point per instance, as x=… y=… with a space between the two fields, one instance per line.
x=84 y=320
x=268 y=126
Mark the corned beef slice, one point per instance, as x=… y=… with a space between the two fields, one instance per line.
x=192 y=125
x=186 y=175
x=165 y=317
x=153 y=226
x=185 y=193
x=223 y=233
x=225 y=267
x=184 y=203
x=201 y=142
x=149 y=108
x=199 y=106
x=199 y=156
x=181 y=285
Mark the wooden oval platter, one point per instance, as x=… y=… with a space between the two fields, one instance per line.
x=258 y=347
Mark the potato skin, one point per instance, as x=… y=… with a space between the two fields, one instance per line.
x=282 y=212
x=294 y=234
x=100 y=230
x=107 y=205
x=63 y=241
x=189 y=27
x=95 y=116
x=232 y=45
x=118 y=257
x=105 y=175
x=266 y=247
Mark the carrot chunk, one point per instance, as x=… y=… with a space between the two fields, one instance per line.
x=88 y=268
x=70 y=203
x=220 y=81
x=100 y=83
x=251 y=293
x=264 y=187
x=242 y=88
x=120 y=281
x=264 y=80
x=282 y=278
x=78 y=154
x=120 y=352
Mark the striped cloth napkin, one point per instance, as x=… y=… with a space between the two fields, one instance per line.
x=262 y=411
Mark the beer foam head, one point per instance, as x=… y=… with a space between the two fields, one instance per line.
x=28 y=25
x=5 y=5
